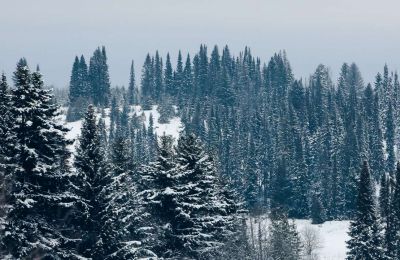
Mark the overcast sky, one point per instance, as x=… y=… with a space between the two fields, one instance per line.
x=52 y=32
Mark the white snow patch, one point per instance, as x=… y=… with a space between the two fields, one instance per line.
x=333 y=236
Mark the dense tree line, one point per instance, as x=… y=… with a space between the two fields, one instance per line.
x=88 y=84
x=255 y=140
x=280 y=141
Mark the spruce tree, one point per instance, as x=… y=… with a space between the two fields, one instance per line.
x=39 y=192
x=94 y=179
x=6 y=137
x=99 y=78
x=365 y=238
x=393 y=230
x=132 y=93
x=284 y=241
x=390 y=140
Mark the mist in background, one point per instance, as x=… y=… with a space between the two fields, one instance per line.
x=50 y=33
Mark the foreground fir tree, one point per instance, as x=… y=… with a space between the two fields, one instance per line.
x=94 y=176
x=196 y=214
x=206 y=213
x=284 y=241
x=365 y=238
x=393 y=220
x=6 y=136
x=157 y=181
x=112 y=215
x=126 y=212
x=38 y=186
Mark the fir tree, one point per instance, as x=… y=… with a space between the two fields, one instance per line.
x=39 y=197
x=365 y=239
x=94 y=179
x=284 y=241
x=132 y=93
x=99 y=77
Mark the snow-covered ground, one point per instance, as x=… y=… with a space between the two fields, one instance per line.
x=173 y=128
x=332 y=235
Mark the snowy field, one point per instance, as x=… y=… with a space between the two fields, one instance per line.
x=332 y=236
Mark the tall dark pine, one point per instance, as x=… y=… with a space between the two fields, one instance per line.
x=147 y=84
x=94 y=178
x=74 y=81
x=39 y=194
x=365 y=239
x=79 y=90
x=393 y=232
x=390 y=140
x=6 y=137
x=99 y=77
x=284 y=241
x=132 y=93
x=170 y=87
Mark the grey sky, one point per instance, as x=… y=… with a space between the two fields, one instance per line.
x=52 y=32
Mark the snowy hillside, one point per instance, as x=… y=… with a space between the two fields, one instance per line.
x=173 y=128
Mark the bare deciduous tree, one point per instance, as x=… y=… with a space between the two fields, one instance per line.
x=311 y=241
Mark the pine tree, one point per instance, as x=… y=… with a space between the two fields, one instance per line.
x=157 y=181
x=365 y=239
x=170 y=88
x=390 y=142
x=147 y=84
x=79 y=90
x=6 y=135
x=393 y=230
x=94 y=179
x=126 y=218
x=284 y=241
x=205 y=209
x=132 y=92
x=99 y=77
x=318 y=214
x=39 y=197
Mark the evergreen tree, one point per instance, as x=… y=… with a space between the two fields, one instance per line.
x=79 y=90
x=365 y=239
x=94 y=179
x=147 y=83
x=39 y=196
x=318 y=214
x=393 y=229
x=132 y=92
x=284 y=241
x=6 y=135
x=390 y=142
x=170 y=88
x=99 y=77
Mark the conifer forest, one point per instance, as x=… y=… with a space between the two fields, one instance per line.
x=210 y=154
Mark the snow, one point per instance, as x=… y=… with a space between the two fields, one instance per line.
x=333 y=236
x=173 y=128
